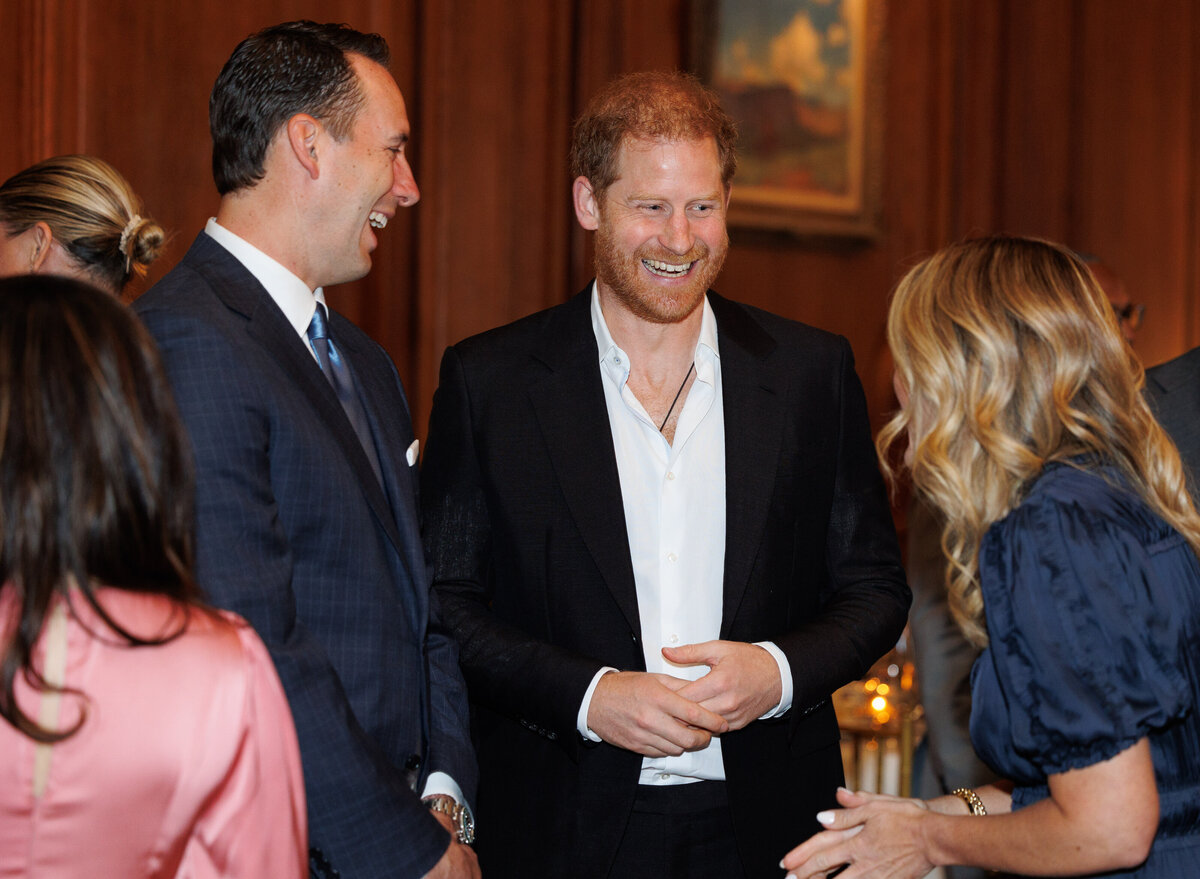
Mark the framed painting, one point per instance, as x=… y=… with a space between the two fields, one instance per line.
x=803 y=81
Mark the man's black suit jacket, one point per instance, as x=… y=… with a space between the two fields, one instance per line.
x=1174 y=392
x=525 y=529
x=296 y=533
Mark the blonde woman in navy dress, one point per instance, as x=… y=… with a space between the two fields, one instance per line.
x=1071 y=547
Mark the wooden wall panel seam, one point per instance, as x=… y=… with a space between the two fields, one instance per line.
x=1192 y=269
x=1076 y=146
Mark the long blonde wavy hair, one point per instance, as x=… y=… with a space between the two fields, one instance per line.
x=1011 y=358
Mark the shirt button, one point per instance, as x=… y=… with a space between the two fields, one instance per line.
x=671 y=557
x=674 y=639
x=666 y=776
x=670 y=474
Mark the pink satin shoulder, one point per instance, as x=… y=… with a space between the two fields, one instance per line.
x=186 y=764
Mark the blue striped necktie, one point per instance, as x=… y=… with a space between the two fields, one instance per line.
x=337 y=370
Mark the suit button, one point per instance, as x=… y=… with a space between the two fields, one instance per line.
x=634 y=636
x=413 y=763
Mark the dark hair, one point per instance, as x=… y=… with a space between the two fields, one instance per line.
x=91 y=210
x=652 y=105
x=96 y=480
x=290 y=68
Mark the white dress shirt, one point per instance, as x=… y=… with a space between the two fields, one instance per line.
x=298 y=303
x=674 y=504
x=292 y=295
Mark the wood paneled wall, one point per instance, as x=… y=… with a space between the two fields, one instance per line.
x=1080 y=121
x=1074 y=119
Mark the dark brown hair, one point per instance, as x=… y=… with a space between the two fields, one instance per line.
x=96 y=481
x=289 y=68
x=652 y=105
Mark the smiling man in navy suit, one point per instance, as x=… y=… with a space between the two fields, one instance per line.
x=305 y=455
x=659 y=533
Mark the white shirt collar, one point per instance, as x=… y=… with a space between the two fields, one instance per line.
x=292 y=295
x=615 y=363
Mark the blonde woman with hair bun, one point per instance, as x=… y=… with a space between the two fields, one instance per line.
x=1071 y=549
x=75 y=216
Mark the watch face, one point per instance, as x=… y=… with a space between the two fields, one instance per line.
x=466 y=826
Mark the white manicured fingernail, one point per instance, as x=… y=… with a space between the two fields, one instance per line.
x=825 y=818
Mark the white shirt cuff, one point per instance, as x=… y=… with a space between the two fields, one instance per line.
x=581 y=717
x=439 y=783
x=785 y=679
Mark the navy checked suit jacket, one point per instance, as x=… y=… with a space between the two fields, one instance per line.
x=295 y=533
x=525 y=530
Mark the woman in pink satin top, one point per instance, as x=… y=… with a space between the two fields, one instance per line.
x=141 y=733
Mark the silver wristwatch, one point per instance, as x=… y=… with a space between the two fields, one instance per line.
x=464 y=824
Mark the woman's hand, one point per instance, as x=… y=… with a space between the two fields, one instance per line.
x=877 y=835
x=1098 y=818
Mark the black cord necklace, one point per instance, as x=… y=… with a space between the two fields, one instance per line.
x=676 y=400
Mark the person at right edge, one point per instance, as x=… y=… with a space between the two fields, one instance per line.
x=1173 y=389
x=1074 y=547
x=659 y=533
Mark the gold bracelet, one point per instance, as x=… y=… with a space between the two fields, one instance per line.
x=972 y=800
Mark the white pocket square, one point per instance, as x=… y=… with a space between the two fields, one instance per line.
x=411 y=454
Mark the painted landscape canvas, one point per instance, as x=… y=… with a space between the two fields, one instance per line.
x=793 y=74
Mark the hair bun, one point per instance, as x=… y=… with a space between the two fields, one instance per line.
x=141 y=241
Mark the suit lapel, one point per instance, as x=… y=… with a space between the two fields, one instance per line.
x=753 y=395
x=266 y=325
x=392 y=428
x=569 y=406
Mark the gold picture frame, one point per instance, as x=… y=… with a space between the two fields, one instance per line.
x=803 y=79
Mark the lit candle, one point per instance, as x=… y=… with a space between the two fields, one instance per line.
x=868 y=766
x=890 y=783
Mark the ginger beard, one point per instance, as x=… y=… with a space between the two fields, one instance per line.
x=646 y=295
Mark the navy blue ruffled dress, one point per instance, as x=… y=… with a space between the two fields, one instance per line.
x=1093 y=616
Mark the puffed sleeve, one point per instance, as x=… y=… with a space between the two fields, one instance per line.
x=1086 y=634
x=255 y=824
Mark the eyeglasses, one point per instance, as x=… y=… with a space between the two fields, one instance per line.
x=1130 y=314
